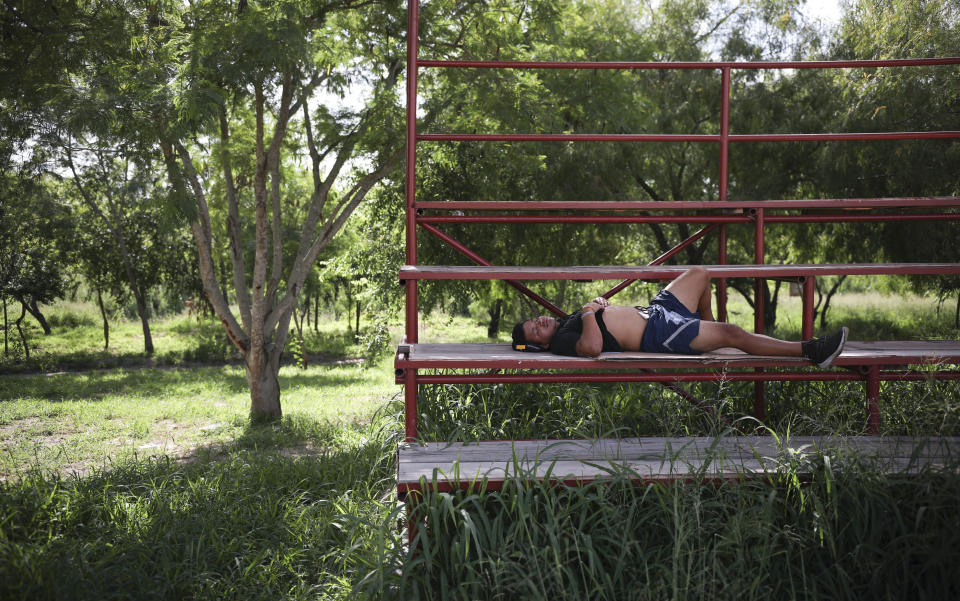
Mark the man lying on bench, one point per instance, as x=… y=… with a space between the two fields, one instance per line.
x=678 y=320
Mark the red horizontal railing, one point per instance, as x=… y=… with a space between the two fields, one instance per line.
x=847 y=137
x=649 y=65
x=681 y=218
x=695 y=205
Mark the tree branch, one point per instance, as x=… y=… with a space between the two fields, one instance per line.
x=273 y=162
x=201 y=236
x=233 y=225
x=258 y=310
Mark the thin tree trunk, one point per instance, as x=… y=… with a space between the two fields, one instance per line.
x=356 y=331
x=956 y=316
x=34 y=310
x=347 y=312
x=494 y=313
x=298 y=319
x=770 y=307
x=316 y=313
x=23 y=339
x=826 y=300
x=6 y=349
x=223 y=278
x=144 y=322
x=106 y=324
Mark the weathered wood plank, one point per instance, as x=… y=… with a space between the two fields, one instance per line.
x=665 y=272
x=502 y=355
x=657 y=458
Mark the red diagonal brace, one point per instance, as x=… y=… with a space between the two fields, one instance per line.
x=663 y=258
x=481 y=261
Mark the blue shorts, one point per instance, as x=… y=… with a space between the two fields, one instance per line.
x=671 y=326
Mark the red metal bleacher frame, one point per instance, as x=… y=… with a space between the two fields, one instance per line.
x=722 y=212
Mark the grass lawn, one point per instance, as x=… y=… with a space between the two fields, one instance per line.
x=122 y=477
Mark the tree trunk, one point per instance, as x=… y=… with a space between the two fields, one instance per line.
x=356 y=330
x=826 y=301
x=956 y=318
x=316 y=313
x=144 y=322
x=106 y=324
x=224 y=277
x=263 y=370
x=770 y=307
x=34 y=310
x=769 y=301
x=298 y=319
x=6 y=349
x=23 y=339
x=495 y=312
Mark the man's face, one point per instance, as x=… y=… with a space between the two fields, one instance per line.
x=540 y=330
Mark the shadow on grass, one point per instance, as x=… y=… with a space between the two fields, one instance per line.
x=95 y=385
x=251 y=520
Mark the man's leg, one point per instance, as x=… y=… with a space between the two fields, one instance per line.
x=692 y=288
x=714 y=335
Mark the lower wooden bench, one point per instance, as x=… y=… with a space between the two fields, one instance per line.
x=869 y=362
x=447 y=466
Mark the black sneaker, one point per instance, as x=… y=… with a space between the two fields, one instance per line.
x=824 y=350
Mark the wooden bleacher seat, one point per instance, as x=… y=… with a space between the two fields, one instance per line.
x=502 y=356
x=666 y=272
x=447 y=466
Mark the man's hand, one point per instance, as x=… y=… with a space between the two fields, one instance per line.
x=592 y=306
x=596 y=304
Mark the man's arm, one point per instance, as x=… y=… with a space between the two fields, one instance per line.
x=591 y=340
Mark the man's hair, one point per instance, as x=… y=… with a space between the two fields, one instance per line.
x=519 y=338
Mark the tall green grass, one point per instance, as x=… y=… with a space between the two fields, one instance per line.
x=249 y=521
x=847 y=533
x=306 y=508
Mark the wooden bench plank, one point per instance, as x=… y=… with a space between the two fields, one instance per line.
x=664 y=272
x=456 y=464
x=502 y=356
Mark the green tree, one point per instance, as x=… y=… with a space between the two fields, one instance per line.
x=118 y=192
x=34 y=236
x=275 y=65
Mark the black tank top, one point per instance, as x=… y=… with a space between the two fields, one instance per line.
x=564 y=341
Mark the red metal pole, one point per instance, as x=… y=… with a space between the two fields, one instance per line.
x=900 y=202
x=873 y=400
x=759 y=401
x=410 y=404
x=721 y=219
x=722 y=282
x=857 y=136
x=413 y=7
x=724 y=163
x=586 y=218
x=724 y=129
x=809 y=289
x=867 y=63
x=758 y=259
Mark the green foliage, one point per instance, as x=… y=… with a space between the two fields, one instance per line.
x=746 y=540
x=242 y=521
